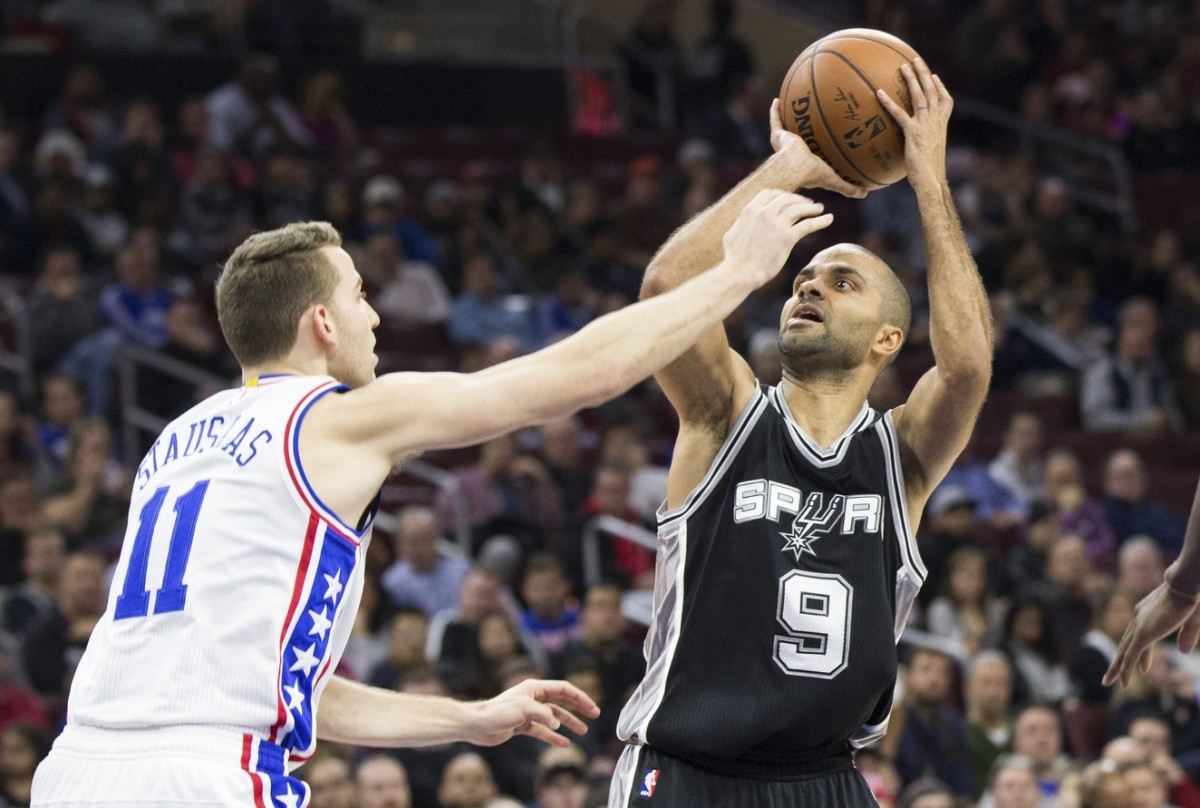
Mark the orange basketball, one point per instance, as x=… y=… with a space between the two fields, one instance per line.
x=828 y=98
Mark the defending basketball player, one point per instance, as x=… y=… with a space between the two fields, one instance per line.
x=787 y=559
x=242 y=567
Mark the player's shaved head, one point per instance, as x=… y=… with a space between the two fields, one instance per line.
x=895 y=307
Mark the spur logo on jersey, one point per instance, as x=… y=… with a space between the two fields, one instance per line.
x=649 y=783
x=814 y=515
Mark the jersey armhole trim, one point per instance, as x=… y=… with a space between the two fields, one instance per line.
x=300 y=480
x=733 y=441
x=909 y=553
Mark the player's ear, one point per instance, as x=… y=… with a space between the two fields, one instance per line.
x=320 y=322
x=888 y=340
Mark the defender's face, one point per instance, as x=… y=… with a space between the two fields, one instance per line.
x=834 y=306
x=353 y=359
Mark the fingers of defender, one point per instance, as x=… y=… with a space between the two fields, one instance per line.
x=1120 y=667
x=766 y=197
x=800 y=207
x=569 y=720
x=567 y=695
x=542 y=734
x=1189 y=634
x=805 y=227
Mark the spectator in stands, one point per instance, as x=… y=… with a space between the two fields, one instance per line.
x=1020 y=466
x=650 y=49
x=1014 y=784
x=1153 y=738
x=602 y=639
x=1140 y=566
x=498 y=642
x=250 y=116
x=330 y=783
x=624 y=445
x=1029 y=642
x=963 y=612
x=1147 y=788
x=926 y=792
x=53 y=647
x=737 y=129
x=721 y=59
x=285 y=193
x=18 y=704
x=106 y=227
x=407 y=634
x=1026 y=563
x=641 y=219
x=452 y=632
x=15 y=448
x=61 y=309
x=1187 y=378
x=568 y=307
x=382 y=201
x=562 y=452
x=423 y=576
x=467 y=782
x=192 y=340
x=507 y=494
x=1077 y=512
x=19 y=509
x=540 y=184
x=382 y=782
x=559 y=783
x=932 y=739
x=1131 y=389
x=1070 y=588
x=214 y=212
x=50 y=222
x=27 y=602
x=90 y=501
x=145 y=185
x=82 y=107
x=403 y=291
x=22 y=748
x=1128 y=507
x=550 y=614
x=988 y=726
x=952 y=521
x=324 y=113
x=1062 y=232
x=481 y=314
x=993 y=504
x=1113 y=614
x=14 y=195
x=339 y=207
x=1037 y=736
x=620 y=558
x=1163 y=691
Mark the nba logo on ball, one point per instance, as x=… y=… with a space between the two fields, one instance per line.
x=649 y=782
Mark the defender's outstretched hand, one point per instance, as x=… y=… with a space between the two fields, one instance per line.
x=767 y=229
x=1158 y=614
x=925 y=128
x=535 y=707
x=812 y=171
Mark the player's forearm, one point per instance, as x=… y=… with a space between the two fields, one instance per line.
x=960 y=322
x=696 y=246
x=357 y=714
x=1184 y=574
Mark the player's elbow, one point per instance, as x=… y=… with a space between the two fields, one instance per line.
x=970 y=377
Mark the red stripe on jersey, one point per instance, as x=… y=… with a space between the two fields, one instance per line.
x=310 y=537
x=289 y=447
x=247 y=744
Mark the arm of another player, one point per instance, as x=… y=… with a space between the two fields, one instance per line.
x=1172 y=605
x=357 y=714
x=399 y=414
x=935 y=423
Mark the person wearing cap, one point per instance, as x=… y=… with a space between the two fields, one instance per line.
x=382 y=201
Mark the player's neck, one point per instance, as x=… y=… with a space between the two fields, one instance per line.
x=822 y=408
x=289 y=366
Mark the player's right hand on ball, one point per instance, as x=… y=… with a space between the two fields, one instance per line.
x=811 y=171
x=763 y=236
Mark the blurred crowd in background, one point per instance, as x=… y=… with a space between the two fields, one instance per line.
x=477 y=246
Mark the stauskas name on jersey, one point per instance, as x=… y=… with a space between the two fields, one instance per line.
x=814 y=516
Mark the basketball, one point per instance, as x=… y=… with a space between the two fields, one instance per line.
x=828 y=98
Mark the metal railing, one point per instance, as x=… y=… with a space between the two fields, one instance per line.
x=17 y=358
x=636 y=605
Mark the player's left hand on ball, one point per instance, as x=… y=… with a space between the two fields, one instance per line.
x=812 y=171
x=1156 y=616
x=535 y=707
x=925 y=128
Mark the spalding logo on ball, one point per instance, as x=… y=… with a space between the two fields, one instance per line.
x=828 y=98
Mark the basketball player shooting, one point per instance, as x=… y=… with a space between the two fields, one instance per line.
x=787 y=559
x=242 y=568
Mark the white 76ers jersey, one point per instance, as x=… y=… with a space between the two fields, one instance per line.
x=236 y=588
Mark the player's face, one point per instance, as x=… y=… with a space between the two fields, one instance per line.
x=353 y=359
x=832 y=317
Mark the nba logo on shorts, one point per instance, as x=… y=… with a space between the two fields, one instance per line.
x=649 y=783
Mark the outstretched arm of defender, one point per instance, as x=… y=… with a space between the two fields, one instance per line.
x=936 y=422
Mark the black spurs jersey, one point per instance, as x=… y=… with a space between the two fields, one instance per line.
x=782 y=585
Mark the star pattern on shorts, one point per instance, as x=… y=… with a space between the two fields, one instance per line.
x=333 y=585
x=295 y=696
x=290 y=799
x=306 y=660
x=321 y=622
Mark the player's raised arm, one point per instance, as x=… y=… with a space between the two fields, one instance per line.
x=936 y=422
x=399 y=414
x=1172 y=605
